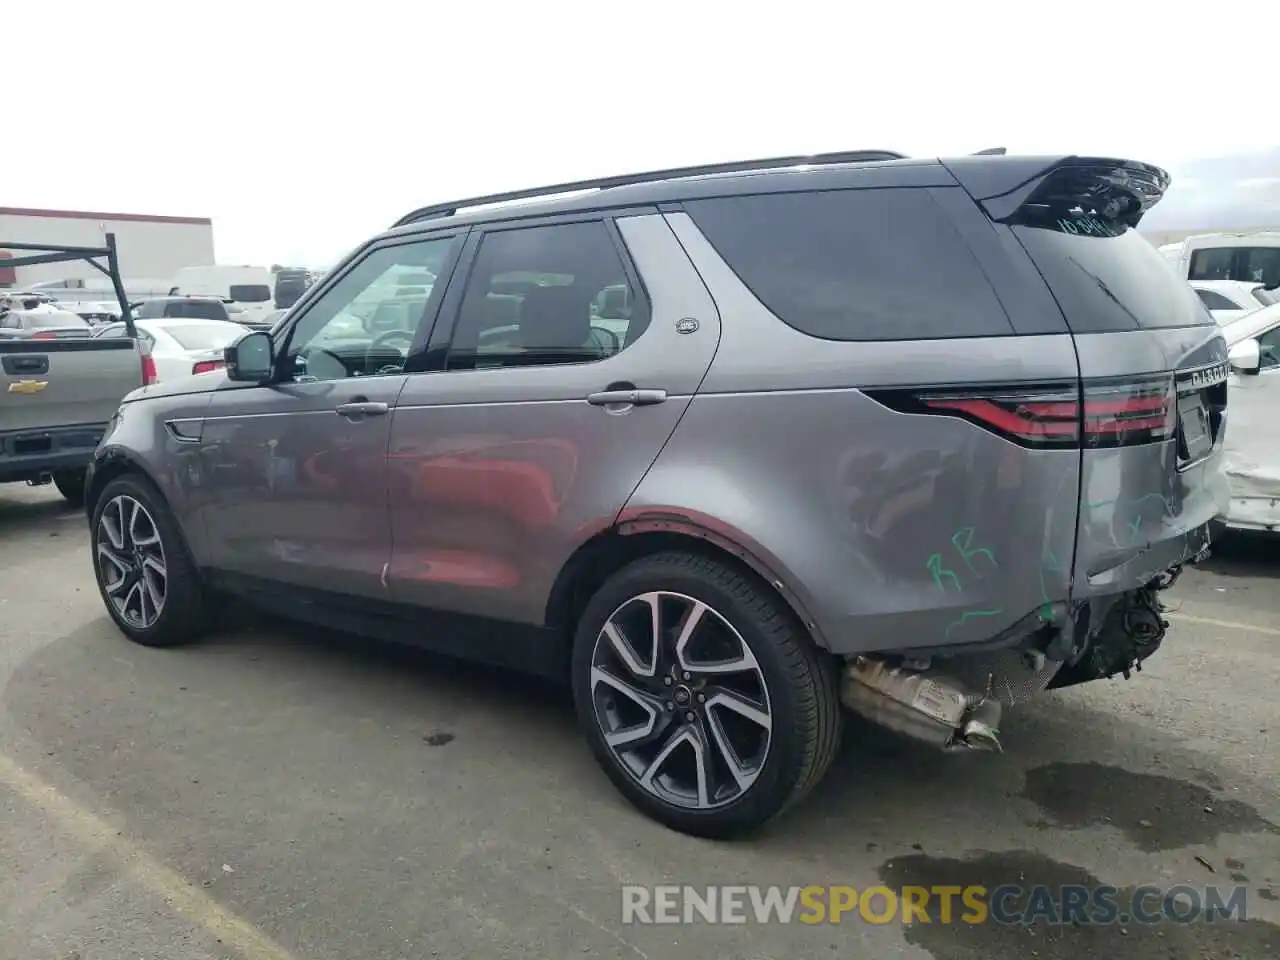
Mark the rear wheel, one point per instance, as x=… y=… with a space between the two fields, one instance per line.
x=704 y=701
x=147 y=580
x=70 y=484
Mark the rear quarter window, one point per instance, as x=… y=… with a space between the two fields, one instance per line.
x=1106 y=277
x=874 y=264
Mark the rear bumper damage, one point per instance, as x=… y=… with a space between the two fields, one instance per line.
x=953 y=698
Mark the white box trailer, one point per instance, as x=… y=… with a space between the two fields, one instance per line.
x=149 y=246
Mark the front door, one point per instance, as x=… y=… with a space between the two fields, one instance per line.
x=556 y=386
x=296 y=471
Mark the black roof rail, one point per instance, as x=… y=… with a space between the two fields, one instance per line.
x=992 y=152
x=623 y=180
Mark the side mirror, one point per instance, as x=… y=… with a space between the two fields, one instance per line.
x=1245 y=356
x=251 y=358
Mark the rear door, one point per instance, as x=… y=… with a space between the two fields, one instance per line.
x=547 y=403
x=1153 y=369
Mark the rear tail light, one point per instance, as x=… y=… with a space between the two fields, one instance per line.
x=44 y=335
x=205 y=366
x=149 y=375
x=1099 y=414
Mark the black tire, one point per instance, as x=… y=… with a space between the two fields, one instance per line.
x=801 y=681
x=184 y=614
x=70 y=484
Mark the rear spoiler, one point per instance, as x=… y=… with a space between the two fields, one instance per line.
x=38 y=253
x=1122 y=190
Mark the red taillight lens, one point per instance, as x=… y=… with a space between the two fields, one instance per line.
x=1122 y=414
x=204 y=366
x=1101 y=414
x=149 y=375
x=44 y=335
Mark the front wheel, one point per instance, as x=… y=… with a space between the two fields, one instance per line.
x=147 y=580
x=704 y=701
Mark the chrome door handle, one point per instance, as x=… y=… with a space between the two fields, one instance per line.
x=639 y=398
x=362 y=408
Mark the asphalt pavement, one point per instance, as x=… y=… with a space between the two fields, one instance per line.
x=285 y=794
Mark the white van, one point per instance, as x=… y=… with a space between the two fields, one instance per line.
x=1245 y=257
x=248 y=287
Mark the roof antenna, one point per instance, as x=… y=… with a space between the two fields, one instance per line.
x=992 y=152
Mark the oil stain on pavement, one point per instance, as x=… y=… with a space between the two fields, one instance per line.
x=1155 y=812
x=1167 y=940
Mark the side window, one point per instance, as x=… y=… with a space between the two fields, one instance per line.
x=1216 y=301
x=115 y=330
x=546 y=295
x=365 y=323
x=1212 y=263
x=875 y=264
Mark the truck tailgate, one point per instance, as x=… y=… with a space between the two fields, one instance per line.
x=57 y=383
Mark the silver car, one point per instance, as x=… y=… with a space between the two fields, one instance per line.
x=731 y=449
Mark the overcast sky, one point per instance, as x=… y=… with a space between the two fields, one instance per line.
x=301 y=128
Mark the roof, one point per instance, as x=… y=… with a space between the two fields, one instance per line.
x=923 y=173
x=95 y=215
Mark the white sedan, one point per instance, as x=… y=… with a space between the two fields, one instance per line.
x=181 y=347
x=1252 y=446
x=1229 y=300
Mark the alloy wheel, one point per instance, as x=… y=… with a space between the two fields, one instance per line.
x=681 y=700
x=131 y=562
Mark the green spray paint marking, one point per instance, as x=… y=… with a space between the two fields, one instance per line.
x=962 y=540
x=966 y=617
x=1050 y=563
x=934 y=564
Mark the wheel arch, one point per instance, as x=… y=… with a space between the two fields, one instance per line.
x=107 y=466
x=611 y=549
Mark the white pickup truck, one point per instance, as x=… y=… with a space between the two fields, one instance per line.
x=60 y=388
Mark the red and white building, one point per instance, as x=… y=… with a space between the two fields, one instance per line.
x=153 y=248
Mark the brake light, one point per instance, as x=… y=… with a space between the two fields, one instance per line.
x=149 y=375
x=1109 y=413
x=205 y=366
x=44 y=335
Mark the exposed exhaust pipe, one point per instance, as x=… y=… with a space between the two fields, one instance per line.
x=925 y=704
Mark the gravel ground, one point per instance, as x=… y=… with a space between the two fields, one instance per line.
x=274 y=793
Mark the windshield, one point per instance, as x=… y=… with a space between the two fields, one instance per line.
x=204 y=336
x=250 y=292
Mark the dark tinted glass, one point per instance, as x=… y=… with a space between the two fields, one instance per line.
x=1106 y=277
x=1249 y=264
x=882 y=264
x=532 y=299
x=250 y=292
x=197 y=310
x=1215 y=301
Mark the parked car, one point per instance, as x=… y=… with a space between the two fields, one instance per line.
x=182 y=347
x=60 y=387
x=1252 y=451
x=914 y=438
x=29 y=318
x=1228 y=300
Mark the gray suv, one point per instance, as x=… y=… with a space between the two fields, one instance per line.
x=732 y=449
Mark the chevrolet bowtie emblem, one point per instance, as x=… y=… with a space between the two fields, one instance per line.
x=28 y=386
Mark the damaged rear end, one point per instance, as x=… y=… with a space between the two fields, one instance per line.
x=1146 y=418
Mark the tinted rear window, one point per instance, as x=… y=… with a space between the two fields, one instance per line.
x=1106 y=277
x=196 y=310
x=250 y=292
x=883 y=264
